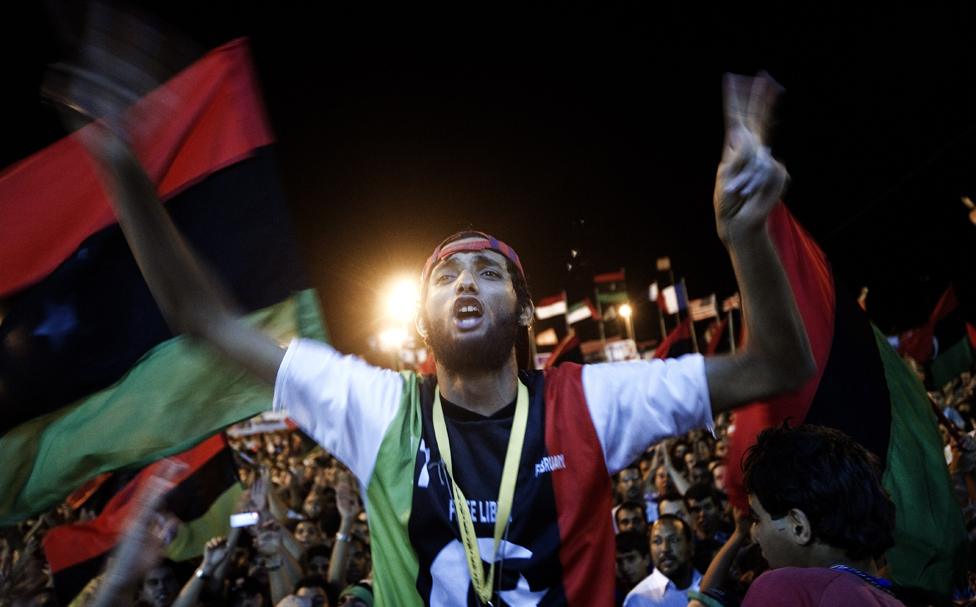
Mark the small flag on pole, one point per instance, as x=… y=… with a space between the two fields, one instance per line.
x=674 y=300
x=731 y=303
x=703 y=308
x=551 y=306
x=580 y=311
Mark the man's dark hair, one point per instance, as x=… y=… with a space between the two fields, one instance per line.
x=313 y=552
x=702 y=491
x=832 y=479
x=629 y=541
x=632 y=506
x=674 y=520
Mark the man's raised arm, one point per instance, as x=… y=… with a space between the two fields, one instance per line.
x=189 y=296
x=776 y=356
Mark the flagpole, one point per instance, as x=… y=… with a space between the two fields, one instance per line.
x=660 y=317
x=691 y=321
x=732 y=331
x=599 y=323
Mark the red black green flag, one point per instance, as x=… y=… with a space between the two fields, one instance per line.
x=864 y=389
x=203 y=499
x=91 y=378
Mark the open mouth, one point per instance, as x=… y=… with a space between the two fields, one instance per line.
x=468 y=313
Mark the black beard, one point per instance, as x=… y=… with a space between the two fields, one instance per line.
x=475 y=356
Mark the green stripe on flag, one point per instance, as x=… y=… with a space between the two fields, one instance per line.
x=177 y=394
x=390 y=494
x=930 y=538
x=192 y=536
x=948 y=365
x=612 y=297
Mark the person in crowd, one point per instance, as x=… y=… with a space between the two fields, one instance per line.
x=359 y=594
x=631 y=516
x=674 y=574
x=704 y=505
x=821 y=518
x=673 y=503
x=633 y=562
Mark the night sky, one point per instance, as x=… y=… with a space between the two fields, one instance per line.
x=399 y=126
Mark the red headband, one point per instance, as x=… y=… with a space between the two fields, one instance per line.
x=456 y=246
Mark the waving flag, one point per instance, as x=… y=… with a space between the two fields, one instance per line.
x=864 y=389
x=202 y=500
x=92 y=379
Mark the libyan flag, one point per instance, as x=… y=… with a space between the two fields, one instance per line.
x=91 y=378
x=202 y=500
x=864 y=389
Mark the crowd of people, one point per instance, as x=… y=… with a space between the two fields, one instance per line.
x=678 y=538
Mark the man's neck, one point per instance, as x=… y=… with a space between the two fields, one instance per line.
x=822 y=555
x=484 y=393
x=682 y=579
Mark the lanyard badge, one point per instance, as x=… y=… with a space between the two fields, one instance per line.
x=506 y=491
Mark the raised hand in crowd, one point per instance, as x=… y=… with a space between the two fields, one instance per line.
x=147 y=533
x=216 y=555
x=347 y=502
x=282 y=568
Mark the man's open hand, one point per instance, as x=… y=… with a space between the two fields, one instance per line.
x=750 y=181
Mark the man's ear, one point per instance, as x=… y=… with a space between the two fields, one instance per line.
x=799 y=527
x=418 y=321
x=525 y=317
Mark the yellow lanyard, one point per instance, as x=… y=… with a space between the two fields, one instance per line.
x=506 y=491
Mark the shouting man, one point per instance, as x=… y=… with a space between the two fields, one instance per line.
x=484 y=482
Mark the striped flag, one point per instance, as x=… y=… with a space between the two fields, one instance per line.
x=127 y=391
x=551 y=306
x=674 y=298
x=703 y=308
x=581 y=311
x=202 y=500
x=732 y=302
x=866 y=390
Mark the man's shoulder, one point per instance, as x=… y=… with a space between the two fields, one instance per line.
x=651 y=587
x=814 y=586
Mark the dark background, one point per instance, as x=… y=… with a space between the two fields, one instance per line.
x=398 y=126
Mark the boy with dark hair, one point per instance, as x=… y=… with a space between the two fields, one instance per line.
x=633 y=561
x=820 y=516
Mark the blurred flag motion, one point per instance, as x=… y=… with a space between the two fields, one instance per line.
x=91 y=379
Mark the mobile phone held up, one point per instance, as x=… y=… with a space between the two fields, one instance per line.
x=244 y=519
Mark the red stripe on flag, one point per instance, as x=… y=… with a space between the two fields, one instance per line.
x=971 y=331
x=548 y=301
x=57 y=200
x=565 y=345
x=717 y=334
x=917 y=342
x=69 y=545
x=617 y=276
x=682 y=331
x=587 y=550
x=810 y=278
